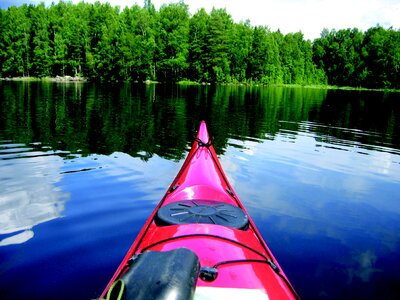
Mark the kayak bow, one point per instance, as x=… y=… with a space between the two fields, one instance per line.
x=199 y=242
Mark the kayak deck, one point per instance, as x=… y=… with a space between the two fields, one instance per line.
x=202 y=213
x=213 y=242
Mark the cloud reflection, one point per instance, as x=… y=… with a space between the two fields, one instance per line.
x=29 y=195
x=18 y=238
x=364 y=266
x=301 y=186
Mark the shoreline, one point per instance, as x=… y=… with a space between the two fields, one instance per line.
x=310 y=86
x=79 y=79
x=51 y=79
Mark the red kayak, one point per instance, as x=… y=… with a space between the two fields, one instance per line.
x=199 y=242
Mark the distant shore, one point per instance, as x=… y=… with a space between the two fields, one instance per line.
x=309 y=86
x=71 y=79
x=53 y=79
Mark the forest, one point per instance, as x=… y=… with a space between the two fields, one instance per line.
x=101 y=42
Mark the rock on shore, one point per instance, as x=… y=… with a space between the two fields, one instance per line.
x=67 y=78
x=55 y=79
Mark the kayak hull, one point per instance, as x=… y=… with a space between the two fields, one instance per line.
x=238 y=252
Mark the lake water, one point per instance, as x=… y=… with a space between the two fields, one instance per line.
x=83 y=165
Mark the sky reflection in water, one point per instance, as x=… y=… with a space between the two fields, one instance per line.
x=29 y=195
x=329 y=209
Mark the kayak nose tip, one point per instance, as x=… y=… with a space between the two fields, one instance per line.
x=203 y=133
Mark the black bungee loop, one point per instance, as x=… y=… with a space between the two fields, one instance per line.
x=202 y=144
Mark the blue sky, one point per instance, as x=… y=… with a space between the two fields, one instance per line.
x=307 y=16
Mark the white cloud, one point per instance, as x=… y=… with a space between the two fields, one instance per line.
x=308 y=16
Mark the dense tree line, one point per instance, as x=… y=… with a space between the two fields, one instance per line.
x=99 y=41
x=102 y=42
x=351 y=57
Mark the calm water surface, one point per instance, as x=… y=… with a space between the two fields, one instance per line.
x=82 y=166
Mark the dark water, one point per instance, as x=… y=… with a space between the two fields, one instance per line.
x=83 y=165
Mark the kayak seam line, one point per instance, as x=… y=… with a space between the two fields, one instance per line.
x=204 y=235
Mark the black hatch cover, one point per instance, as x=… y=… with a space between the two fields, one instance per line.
x=202 y=212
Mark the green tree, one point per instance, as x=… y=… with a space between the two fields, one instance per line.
x=138 y=42
x=352 y=58
x=312 y=74
x=108 y=56
x=16 y=30
x=172 y=42
x=394 y=58
x=264 y=58
x=96 y=14
x=198 y=28
x=346 y=53
x=2 y=41
x=58 y=38
x=79 y=45
x=239 y=48
x=218 y=64
x=320 y=47
x=381 y=54
x=41 y=45
x=272 y=72
x=293 y=60
x=257 y=54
